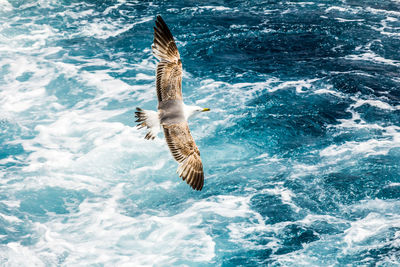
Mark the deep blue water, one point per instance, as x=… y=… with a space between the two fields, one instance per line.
x=301 y=150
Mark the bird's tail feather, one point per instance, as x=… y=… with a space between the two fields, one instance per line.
x=148 y=119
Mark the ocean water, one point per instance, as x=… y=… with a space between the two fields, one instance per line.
x=301 y=148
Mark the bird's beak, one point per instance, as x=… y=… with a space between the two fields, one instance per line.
x=205 y=109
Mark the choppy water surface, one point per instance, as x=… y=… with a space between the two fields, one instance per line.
x=301 y=150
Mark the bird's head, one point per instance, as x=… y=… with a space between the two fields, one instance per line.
x=194 y=110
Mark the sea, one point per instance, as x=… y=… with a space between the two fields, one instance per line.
x=301 y=148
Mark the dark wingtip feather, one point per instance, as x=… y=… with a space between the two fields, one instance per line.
x=160 y=20
x=164 y=47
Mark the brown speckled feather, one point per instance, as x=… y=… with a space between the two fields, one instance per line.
x=185 y=151
x=169 y=69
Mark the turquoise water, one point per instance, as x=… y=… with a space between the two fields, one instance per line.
x=301 y=148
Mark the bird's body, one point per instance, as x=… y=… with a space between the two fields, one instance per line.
x=172 y=114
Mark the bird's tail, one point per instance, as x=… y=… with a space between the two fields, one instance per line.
x=148 y=119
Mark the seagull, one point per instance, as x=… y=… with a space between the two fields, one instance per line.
x=172 y=114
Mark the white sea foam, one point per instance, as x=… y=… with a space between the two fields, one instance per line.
x=393 y=184
x=375 y=224
x=383 y=11
x=369 y=56
x=104 y=29
x=218 y=8
x=76 y=14
x=387 y=29
x=114 y=7
x=349 y=20
x=66 y=139
x=299 y=85
x=253 y=225
x=5 y=5
x=15 y=254
x=11 y=219
x=285 y=195
x=369 y=233
x=391 y=19
x=375 y=103
x=202 y=8
x=375 y=146
x=328 y=91
x=301 y=3
x=368 y=148
x=143 y=240
x=338 y=8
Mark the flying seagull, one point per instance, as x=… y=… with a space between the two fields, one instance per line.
x=172 y=114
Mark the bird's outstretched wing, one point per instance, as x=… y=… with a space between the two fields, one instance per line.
x=169 y=69
x=169 y=87
x=185 y=151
